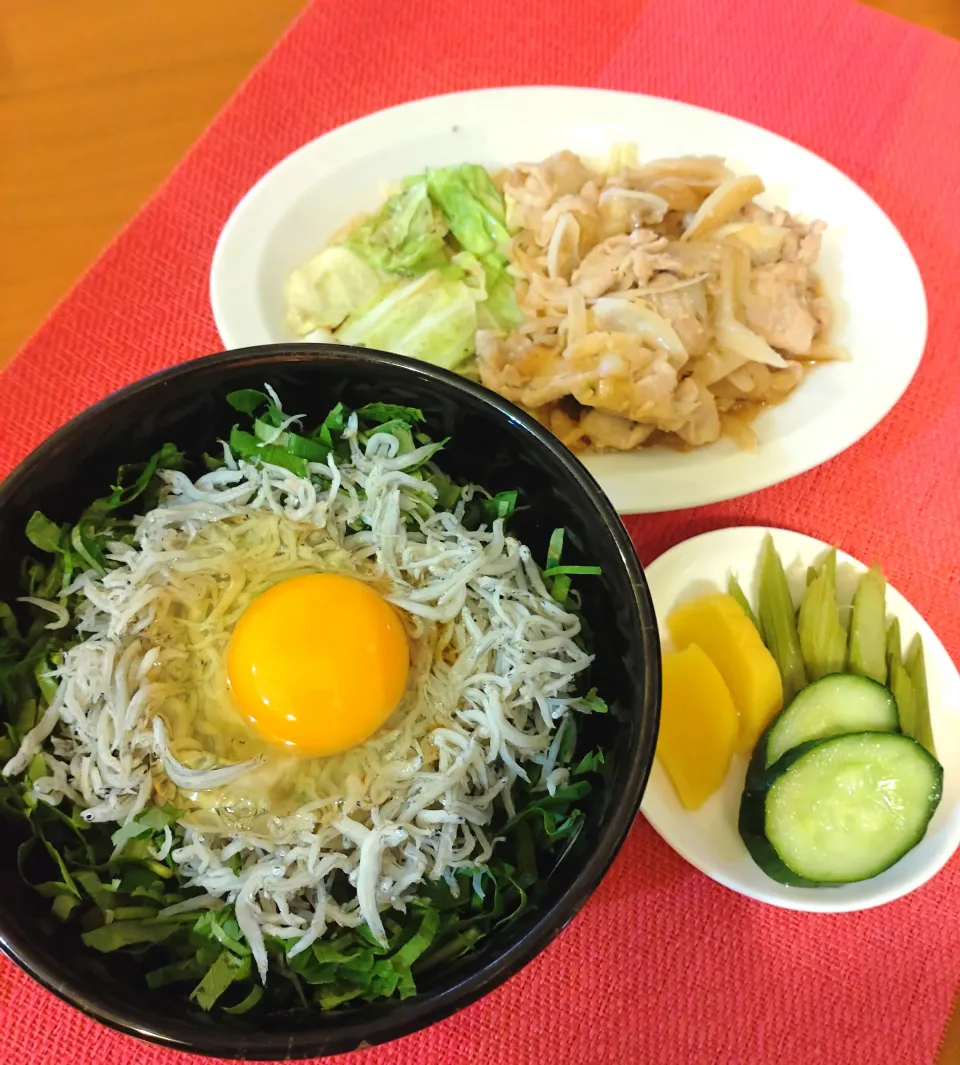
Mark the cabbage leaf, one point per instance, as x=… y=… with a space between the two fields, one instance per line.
x=431 y=318
x=405 y=237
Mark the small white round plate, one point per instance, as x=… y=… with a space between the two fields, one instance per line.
x=708 y=837
x=291 y=213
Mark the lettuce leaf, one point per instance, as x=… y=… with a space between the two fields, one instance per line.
x=431 y=318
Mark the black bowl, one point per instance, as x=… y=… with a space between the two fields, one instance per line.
x=492 y=443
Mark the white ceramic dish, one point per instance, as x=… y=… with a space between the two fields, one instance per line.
x=291 y=212
x=708 y=837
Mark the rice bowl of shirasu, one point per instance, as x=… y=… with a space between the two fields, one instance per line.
x=247 y=875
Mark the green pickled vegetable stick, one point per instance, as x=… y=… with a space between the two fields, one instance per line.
x=736 y=592
x=823 y=639
x=830 y=566
x=898 y=681
x=917 y=671
x=868 y=627
x=894 y=651
x=902 y=688
x=778 y=624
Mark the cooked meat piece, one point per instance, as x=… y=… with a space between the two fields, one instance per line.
x=612 y=372
x=567 y=173
x=620 y=262
x=602 y=268
x=802 y=242
x=759 y=384
x=694 y=257
x=605 y=430
x=646 y=331
x=684 y=309
x=597 y=431
x=527 y=193
x=810 y=244
x=644 y=394
x=823 y=312
x=778 y=307
x=563 y=427
x=488 y=344
x=545 y=292
x=753 y=212
x=529 y=190
x=583 y=207
x=623 y=210
x=696 y=419
x=532 y=376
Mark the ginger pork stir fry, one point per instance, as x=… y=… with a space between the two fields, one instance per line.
x=661 y=303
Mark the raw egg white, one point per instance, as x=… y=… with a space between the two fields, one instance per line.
x=318 y=663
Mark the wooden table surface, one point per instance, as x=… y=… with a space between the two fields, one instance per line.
x=98 y=101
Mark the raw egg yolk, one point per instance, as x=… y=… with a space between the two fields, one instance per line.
x=318 y=663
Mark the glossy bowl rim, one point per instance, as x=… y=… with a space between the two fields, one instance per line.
x=420 y=1011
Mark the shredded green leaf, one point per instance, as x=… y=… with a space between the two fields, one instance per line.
x=42 y=533
x=247 y=1003
x=226 y=970
x=248 y=400
x=129 y=933
x=152 y=820
x=501 y=506
x=573 y=571
x=246 y=446
x=594 y=703
x=388 y=412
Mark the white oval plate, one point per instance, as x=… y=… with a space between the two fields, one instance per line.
x=289 y=215
x=708 y=837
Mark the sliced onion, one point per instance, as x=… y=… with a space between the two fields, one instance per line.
x=566 y=223
x=657 y=206
x=722 y=204
x=622 y=316
x=734 y=338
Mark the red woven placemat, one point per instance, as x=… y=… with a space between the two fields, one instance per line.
x=663 y=966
